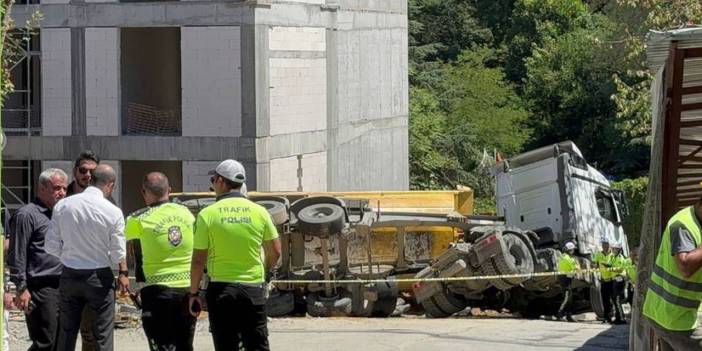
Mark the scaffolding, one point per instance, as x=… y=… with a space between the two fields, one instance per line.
x=21 y=112
x=21 y=116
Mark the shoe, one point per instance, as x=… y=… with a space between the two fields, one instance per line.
x=570 y=319
x=619 y=322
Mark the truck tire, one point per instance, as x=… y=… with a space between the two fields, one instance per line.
x=280 y=303
x=443 y=305
x=319 y=306
x=596 y=299
x=432 y=310
x=489 y=268
x=386 y=303
x=517 y=259
x=277 y=210
x=321 y=219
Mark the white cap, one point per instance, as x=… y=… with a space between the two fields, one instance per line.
x=616 y=245
x=604 y=240
x=570 y=246
x=232 y=170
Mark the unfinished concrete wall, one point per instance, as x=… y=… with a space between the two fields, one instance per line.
x=195 y=177
x=365 y=126
x=133 y=173
x=56 y=81
x=369 y=128
x=297 y=95
x=312 y=176
x=211 y=78
x=102 y=97
x=66 y=166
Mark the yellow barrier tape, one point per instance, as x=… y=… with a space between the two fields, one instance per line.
x=437 y=279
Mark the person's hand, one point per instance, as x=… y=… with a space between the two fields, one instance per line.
x=123 y=284
x=22 y=300
x=8 y=301
x=195 y=305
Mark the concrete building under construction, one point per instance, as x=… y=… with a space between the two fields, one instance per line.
x=309 y=94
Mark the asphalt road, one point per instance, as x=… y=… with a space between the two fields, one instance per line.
x=405 y=333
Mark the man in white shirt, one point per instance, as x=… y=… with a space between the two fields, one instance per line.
x=89 y=240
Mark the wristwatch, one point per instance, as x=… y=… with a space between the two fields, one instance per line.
x=124 y=273
x=191 y=294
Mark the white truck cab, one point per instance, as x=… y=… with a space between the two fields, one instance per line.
x=554 y=192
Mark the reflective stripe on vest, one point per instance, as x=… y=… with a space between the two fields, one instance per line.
x=672 y=299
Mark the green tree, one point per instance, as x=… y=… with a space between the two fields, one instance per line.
x=533 y=22
x=635 y=191
x=569 y=88
x=479 y=99
x=433 y=163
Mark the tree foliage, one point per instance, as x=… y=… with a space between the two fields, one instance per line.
x=635 y=191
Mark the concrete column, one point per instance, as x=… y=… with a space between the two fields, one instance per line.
x=78 y=123
x=56 y=90
x=195 y=177
x=102 y=81
x=211 y=81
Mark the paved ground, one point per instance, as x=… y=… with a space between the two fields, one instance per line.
x=405 y=333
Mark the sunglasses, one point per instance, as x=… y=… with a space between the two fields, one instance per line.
x=83 y=170
x=213 y=178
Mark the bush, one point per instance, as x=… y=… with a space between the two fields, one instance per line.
x=635 y=190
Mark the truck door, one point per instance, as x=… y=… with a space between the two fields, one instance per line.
x=609 y=215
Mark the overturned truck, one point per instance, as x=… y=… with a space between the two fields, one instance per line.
x=544 y=198
x=332 y=242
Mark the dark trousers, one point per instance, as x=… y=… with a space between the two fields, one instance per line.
x=94 y=288
x=237 y=313
x=87 y=336
x=43 y=319
x=606 y=288
x=566 y=308
x=618 y=299
x=168 y=324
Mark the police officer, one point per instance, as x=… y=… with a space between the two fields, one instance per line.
x=618 y=262
x=165 y=233
x=567 y=263
x=229 y=236
x=603 y=260
x=675 y=288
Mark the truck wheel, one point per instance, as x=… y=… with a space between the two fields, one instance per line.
x=517 y=260
x=277 y=210
x=449 y=302
x=596 y=299
x=382 y=305
x=321 y=219
x=489 y=267
x=386 y=303
x=280 y=303
x=443 y=304
x=319 y=306
x=432 y=310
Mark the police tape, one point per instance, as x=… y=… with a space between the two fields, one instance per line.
x=440 y=279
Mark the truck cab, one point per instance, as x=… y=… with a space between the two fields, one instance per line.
x=555 y=193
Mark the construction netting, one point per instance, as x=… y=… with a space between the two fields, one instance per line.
x=144 y=119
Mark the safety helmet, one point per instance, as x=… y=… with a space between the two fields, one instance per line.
x=569 y=246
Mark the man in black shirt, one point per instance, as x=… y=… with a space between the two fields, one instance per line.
x=83 y=168
x=34 y=272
